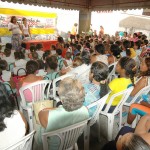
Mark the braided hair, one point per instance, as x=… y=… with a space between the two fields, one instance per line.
x=129 y=65
x=100 y=73
x=127 y=46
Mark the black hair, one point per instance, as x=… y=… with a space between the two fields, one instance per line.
x=3 y=66
x=146 y=42
x=138 y=44
x=60 y=39
x=66 y=45
x=114 y=48
x=88 y=45
x=8 y=45
x=136 y=143
x=59 y=51
x=100 y=48
x=100 y=73
x=132 y=44
x=6 y=107
x=32 y=66
x=23 y=45
x=52 y=62
x=34 y=55
x=85 y=55
x=129 y=65
x=54 y=47
x=41 y=64
x=39 y=46
x=135 y=34
x=127 y=46
x=7 y=52
x=21 y=55
x=46 y=54
x=32 y=48
x=79 y=47
x=118 y=43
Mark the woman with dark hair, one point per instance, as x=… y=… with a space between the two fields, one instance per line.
x=15 y=27
x=13 y=125
x=98 y=86
x=31 y=69
x=127 y=50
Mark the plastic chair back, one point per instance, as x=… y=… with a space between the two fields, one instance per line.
x=68 y=135
x=23 y=144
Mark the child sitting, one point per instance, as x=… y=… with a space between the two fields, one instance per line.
x=53 y=49
x=59 y=58
x=39 y=50
x=41 y=71
x=98 y=87
x=51 y=63
x=8 y=57
x=68 y=61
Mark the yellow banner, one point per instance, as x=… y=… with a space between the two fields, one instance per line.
x=39 y=22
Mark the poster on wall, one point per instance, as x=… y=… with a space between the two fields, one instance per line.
x=39 y=22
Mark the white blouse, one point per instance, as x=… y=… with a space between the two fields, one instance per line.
x=15 y=28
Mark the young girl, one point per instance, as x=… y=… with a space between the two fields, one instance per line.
x=144 y=107
x=51 y=63
x=31 y=68
x=126 y=68
x=98 y=87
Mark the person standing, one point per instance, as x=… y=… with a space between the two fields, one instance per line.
x=73 y=32
x=101 y=32
x=15 y=27
x=25 y=28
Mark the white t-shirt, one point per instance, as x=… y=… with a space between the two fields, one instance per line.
x=102 y=58
x=6 y=75
x=15 y=130
x=25 y=29
x=15 y=28
x=69 y=62
x=40 y=54
x=9 y=59
x=41 y=72
x=82 y=73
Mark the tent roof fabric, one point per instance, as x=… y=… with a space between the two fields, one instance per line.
x=92 y=5
x=135 y=22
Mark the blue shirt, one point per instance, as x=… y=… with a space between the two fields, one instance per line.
x=92 y=94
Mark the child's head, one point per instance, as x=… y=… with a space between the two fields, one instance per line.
x=145 y=67
x=7 y=52
x=23 y=45
x=46 y=54
x=19 y=55
x=126 y=67
x=99 y=72
x=8 y=45
x=51 y=62
x=146 y=42
x=32 y=48
x=77 y=62
x=59 y=52
x=41 y=64
x=39 y=46
x=34 y=55
x=115 y=50
x=3 y=66
x=53 y=47
x=137 y=45
x=100 y=49
x=68 y=55
x=31 y=67
x=126 y=47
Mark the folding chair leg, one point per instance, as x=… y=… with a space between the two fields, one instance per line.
x=87 y=137
x=110 y=128
x=30 y=116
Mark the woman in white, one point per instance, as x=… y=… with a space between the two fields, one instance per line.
x=13 y=125
x=15 y=27
x=25 y=28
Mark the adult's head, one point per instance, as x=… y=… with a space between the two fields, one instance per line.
x=41 y=64
x=86 y=58
x=131 y=141
x=13 y=19
x=24 y=20
x=32 y=48
x=99 y=72
x=145 y=66
x=19 y=55
x=71 y=93
x=51 y=62
x=127 y=66
x=32 y=66
x=137 y=45
x=6 y=107
x=100 y=49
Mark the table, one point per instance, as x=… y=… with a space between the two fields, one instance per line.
x=46 y=43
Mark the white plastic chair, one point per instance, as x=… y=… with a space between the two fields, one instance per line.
x=68 y=136
x=39 y=91
x=112 y=74
x=55 y=86
x=94 y=119
x=24 y=143
x=144 y=90
x=118 y=109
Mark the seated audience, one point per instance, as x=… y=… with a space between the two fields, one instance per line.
x=98 y=86
x=13 y=125
x=53 y=49
x=41 y=70
x=8 y=57
x=39 y=50
x=60 y=59
x=70 y=110
x=126 y=68
x=31 y=68
x=68 y=60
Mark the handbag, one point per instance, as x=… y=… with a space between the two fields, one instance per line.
x=41 y=105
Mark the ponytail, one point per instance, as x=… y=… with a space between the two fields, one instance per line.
x=103 y=89
x=128 y=52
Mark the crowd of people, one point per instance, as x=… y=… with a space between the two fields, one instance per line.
x=88 y=58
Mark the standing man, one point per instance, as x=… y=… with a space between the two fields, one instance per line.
x=73 y=32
